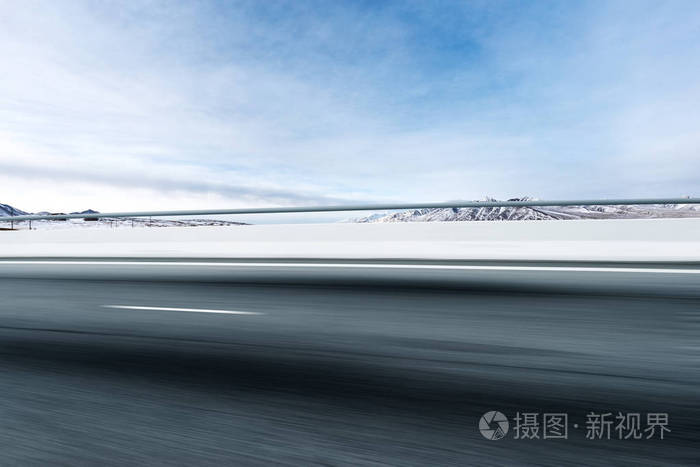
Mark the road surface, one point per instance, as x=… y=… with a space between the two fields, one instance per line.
x=115 y=364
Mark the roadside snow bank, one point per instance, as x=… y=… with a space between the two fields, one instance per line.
x=595 y=240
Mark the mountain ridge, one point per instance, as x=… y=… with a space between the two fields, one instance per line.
x=8 y=211
x=486 y=213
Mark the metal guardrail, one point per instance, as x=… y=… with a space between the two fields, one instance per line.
x=358 y=207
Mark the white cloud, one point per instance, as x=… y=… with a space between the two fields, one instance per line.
x=157 y=106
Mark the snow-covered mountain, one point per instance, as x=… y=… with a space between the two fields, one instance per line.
x=536 y=213
x=414 y=215
x=7 y=210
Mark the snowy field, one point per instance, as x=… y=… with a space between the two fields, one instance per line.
x=614 y=240
x=116 y=223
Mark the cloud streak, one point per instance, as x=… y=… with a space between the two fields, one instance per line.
x=168 y=184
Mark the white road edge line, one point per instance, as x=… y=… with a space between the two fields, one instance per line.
x=189 y=310
x=364 y=265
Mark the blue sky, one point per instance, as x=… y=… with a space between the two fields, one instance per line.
x=164 y=105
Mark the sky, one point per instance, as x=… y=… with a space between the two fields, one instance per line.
x=147 y=105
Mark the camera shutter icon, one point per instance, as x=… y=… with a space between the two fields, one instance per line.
x=493 y=425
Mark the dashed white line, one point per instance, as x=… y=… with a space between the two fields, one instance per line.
x=188 y=310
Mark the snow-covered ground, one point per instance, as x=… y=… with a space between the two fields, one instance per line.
x=117 y=223
x=615 y=240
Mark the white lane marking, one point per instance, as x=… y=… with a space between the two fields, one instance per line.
x=368 y=266
x=189 y=310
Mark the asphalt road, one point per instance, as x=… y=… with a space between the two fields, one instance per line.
x=346 y=367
